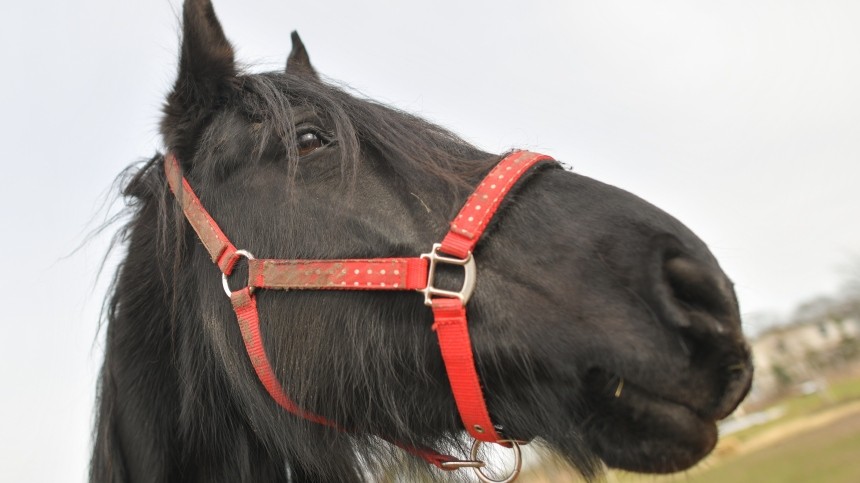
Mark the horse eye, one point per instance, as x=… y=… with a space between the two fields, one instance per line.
x=308 y=142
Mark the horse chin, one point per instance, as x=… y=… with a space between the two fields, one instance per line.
x=633 y=429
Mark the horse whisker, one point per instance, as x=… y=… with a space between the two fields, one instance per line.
x=619 y=388
x=422 y=202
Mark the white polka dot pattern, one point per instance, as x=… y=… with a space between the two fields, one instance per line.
x=373 y=274
x=479 y=209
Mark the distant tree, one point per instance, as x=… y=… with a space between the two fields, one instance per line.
x=850 y=292
x=816 y=310
x=816 y=360
x=849 y=348
x=837 y=307
x=757 y=322
x=783 y=378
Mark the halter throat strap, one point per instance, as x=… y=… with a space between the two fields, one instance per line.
x=415 y=273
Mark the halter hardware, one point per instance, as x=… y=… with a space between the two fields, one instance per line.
x=477 y=464
x=416 y=273
x=225 y=284
x=469 y=277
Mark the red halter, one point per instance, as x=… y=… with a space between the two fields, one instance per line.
x=449 y=308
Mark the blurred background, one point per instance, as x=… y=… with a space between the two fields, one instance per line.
x=740 y=118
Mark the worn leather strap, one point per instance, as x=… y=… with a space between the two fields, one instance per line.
x=372 y=274
x=245 y=305
x=221 y=251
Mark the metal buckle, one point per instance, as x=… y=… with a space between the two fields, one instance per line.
x=469 y=277
x=241 y=253
x=476 y=464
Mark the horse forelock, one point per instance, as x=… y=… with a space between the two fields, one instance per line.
x=416 y=150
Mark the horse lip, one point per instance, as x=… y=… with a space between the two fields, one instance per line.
x=621 y=388
x=673 y=435
x=731 y=393
x=631 y=391
x=640 y=391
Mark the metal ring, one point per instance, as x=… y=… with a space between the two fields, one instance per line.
x=518 y=462
x=241 y=253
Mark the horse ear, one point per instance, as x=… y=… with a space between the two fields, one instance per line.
x=299 y=62
x=207 y=70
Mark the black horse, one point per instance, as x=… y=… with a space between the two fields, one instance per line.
x=601 y=326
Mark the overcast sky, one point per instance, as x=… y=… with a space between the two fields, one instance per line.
x=741 y=118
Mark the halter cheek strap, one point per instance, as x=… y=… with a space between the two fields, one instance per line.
x=416 y=274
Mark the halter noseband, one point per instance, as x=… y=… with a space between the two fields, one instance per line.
x=417 y=274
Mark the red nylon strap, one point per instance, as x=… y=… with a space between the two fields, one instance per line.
x=222 y=252
x=453 y=332
x=451 y=325
x=470 y=223
x=375 y=274
x=433 y=457
x=245 y=305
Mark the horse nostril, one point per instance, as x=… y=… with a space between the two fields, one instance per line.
x=697 y=286
x=699 y=299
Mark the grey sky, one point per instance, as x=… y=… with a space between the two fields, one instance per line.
x=740 y=118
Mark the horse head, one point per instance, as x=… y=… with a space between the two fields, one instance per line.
x=599 y=324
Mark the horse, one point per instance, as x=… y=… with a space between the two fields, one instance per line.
x=598 y=325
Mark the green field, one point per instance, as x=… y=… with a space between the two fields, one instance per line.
x=817 y=440
x=827 y=453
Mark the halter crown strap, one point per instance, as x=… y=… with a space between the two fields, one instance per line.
x=449 y=308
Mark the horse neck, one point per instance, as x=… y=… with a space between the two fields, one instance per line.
x=158 y=398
